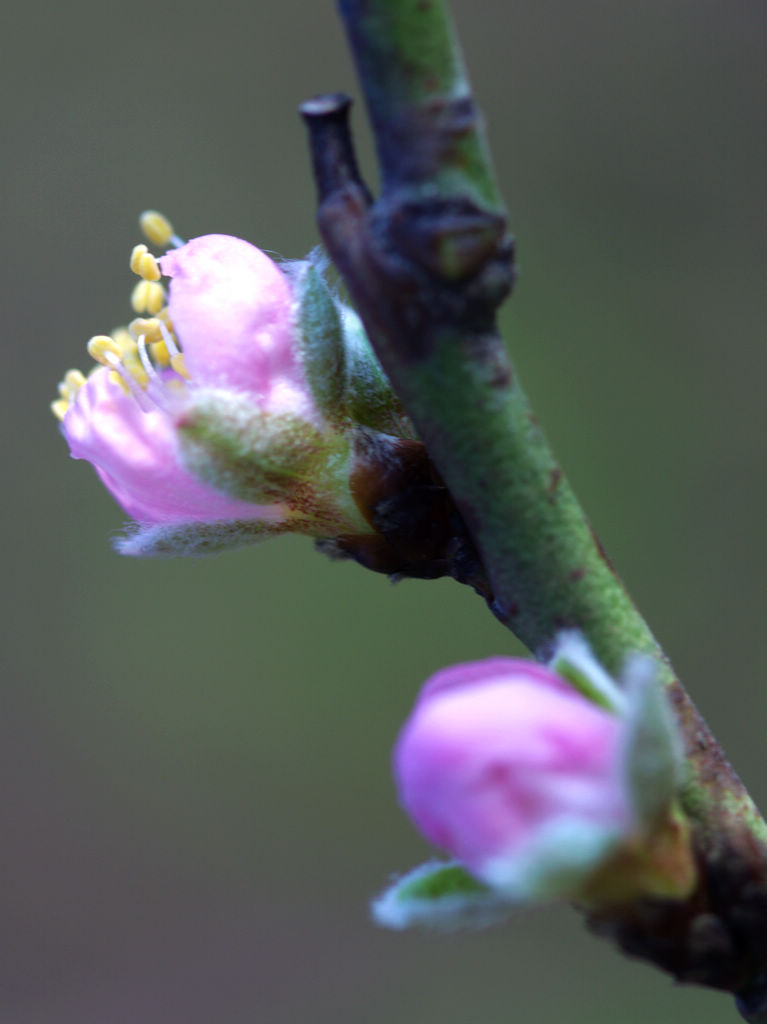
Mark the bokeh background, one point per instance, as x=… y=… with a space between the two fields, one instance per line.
x=195 y=800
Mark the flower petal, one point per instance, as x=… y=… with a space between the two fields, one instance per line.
x=498 y=753
x=136 y=455
x=233 y=311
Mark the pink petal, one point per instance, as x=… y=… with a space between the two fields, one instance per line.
x=232 y=309
x=135 y=454
x=497 y=750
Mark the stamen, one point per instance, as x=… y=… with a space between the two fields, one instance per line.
x=143 y=263
x=149 y=268
x=164 y=315
x=119 y=352
x=132 y=363
x=116 y=364
x=160 y=354
x=178 y=364
x=115 y=378
x=69 y=386
x=145 y=360
x=148 y=297
x=170 y=344
x=136 y=254
x=101 y=346
x=158 y=229
x=174 y=352
x=122 y=336
x=151 y=329
x=74 y=380
x=59 y=408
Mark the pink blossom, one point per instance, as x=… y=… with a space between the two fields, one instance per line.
x=232 y=314
x=508 y=768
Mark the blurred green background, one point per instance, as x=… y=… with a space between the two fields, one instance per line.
x=196 y=803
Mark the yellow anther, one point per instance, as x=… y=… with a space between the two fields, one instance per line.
x=122 y=337
x=149 y=328
x=115 y=378
x=157 y=229
x=143 y=263
x=149 y=268
x=148 y=297
x=135 y=256
x=178 y=364
x=73 y=380
x=100 y=346
x=71 y=384
x=59 y=408
x=164 y=315
x=160 y=354
x=131 y=362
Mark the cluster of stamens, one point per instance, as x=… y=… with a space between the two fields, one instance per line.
x=137 y=354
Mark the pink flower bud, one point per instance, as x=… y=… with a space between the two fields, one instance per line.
x=508 y=768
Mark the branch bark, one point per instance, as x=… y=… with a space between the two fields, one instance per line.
x=427 y=265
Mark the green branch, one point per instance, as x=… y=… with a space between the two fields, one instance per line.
x=427 y=266
x=420 y=105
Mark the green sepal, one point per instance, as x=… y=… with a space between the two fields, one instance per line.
x=370 y=400
x=574 y=661
x=346 y=380
x=244 y=452
x=560 y=860
x=194 y=539
x=441 y=896
x=652 y=752
x=321 y=340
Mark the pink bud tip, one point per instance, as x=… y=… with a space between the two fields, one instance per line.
x=500 y=756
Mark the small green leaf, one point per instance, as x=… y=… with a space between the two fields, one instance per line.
x=441 y=896
x=574 y=661
x=321 y=341
x=180 y=539
x=370 y=399
x=653 y=749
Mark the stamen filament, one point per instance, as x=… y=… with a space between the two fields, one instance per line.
x=116 y=364
x=170 y=344
x=144 y=357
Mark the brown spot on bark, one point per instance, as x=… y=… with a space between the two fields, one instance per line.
x=577 y=574
x=555 y=479
x=602 y=553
